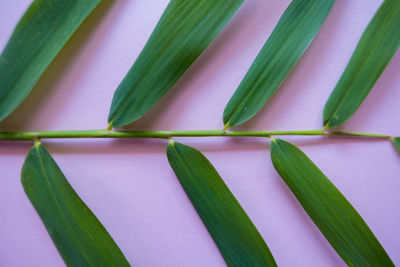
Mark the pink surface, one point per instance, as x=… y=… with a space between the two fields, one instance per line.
x=129 y=185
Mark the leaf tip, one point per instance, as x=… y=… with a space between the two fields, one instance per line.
x=226 y=119
x=274 y=141
x=325 y=124
x=171 y=142
x=37 y=142
x=110 y=126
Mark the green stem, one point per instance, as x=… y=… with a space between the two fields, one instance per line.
x=361 y=134
x=31 y=136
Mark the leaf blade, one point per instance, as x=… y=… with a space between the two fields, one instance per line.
x=231 y=229
x=79 y=236
x=288 y=42
x=185 y=29
x=40 y=34
x=376 y=48
x=336 y=218
x=396 y=142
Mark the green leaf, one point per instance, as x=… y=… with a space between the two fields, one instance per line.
x=40 y=34
x=232 y=230
x=396 y=142
x=185 y=29
x=374 y=51
x=284 y=48
x=78 y=235
x=342 y=226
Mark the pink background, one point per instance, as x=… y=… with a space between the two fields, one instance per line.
x=129 y=185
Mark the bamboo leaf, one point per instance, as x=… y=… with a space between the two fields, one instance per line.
x=284 y=48
x=374 y=51
x=396 y=142
x=342 y=226
x=232 y=230
x=40 y=34
x=78 y=235
x=185 y=29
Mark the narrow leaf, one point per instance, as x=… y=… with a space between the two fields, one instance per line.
x=40 y=34
x=232 y=230
x=396 y=142
x=284 y=48
x=342 y=226
x=78 y=235
x=374 y=51
x=185 y=29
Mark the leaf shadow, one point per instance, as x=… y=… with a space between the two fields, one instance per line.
x=14 y=148
x=209 y=64
x=29 y=110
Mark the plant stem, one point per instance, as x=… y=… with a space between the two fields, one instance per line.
x=104 y=133
x=360 y=134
